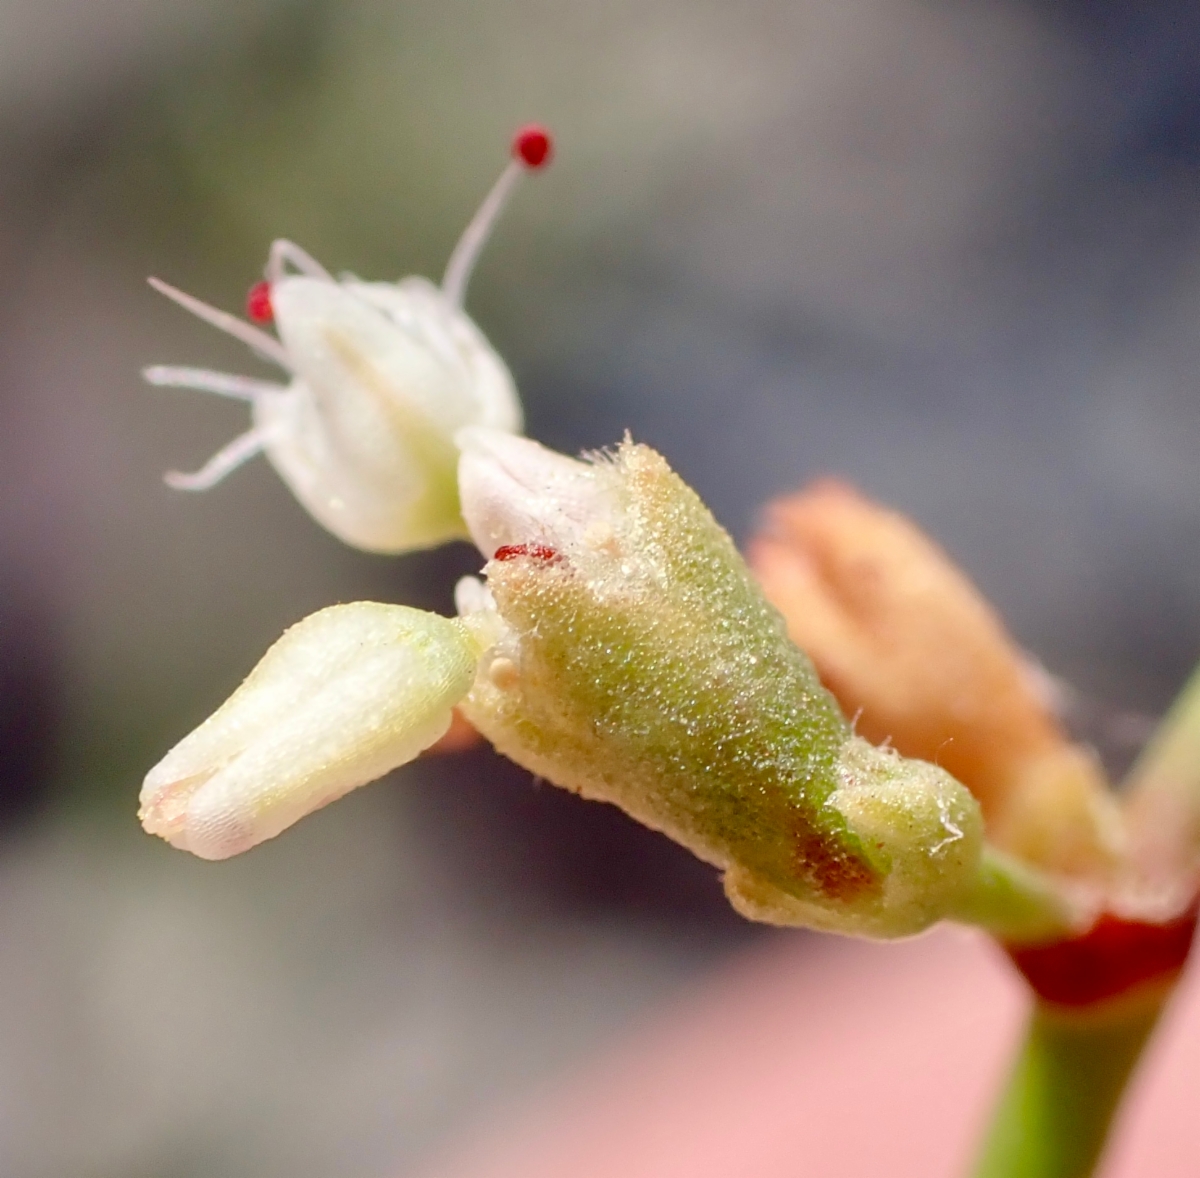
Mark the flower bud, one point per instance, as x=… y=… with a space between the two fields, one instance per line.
x=908 y=645
x=343 y=697
x=635 y=661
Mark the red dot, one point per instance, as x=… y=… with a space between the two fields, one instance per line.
x=538 y=552
x=258 y=303
x=533 y=146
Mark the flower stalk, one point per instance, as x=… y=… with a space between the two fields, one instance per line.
x=1057 y=1108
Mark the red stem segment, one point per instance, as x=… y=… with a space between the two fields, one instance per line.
x=1113 y=958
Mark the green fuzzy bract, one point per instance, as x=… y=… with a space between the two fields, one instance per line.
x=641 y=665
x=651 y=673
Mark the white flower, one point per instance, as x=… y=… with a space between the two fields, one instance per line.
x=382 y=377
x=345 y=696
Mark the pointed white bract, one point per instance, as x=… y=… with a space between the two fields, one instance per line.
x=343 y=697
x=516 y=491
x=381 y=378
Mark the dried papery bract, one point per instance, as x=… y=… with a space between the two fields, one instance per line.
x=342 y=698
x=909 y=647
x=381 y=377
x=636 y=662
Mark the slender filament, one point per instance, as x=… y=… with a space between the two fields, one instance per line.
x=224 y=384
x=285 y=252
x=470 y=245
x=265 y=345
x=223 y=462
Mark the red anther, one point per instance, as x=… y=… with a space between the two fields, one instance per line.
x=533 y=146
x=1112 y=958
x=258 y=303
x=533 y=551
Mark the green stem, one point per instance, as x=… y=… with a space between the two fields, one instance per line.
x=1014 y=901
x=1053 y=1118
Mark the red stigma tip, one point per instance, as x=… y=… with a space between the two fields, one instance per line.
x=258 y=303
x=533 y=146
x=534 y=551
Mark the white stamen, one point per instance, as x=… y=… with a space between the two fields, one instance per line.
x=284 y=252
x=470 y=245
x=224 y=384
x=265 y=345
x=223 y=462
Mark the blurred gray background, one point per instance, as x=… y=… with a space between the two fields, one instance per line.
x=947 y=249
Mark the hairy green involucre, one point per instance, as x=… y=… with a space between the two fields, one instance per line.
x=642 y=666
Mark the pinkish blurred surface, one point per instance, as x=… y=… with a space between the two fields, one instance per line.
x=842 y=1060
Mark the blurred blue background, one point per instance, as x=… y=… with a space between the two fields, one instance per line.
x=947 y=249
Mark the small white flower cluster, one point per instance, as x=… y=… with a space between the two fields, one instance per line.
x=620 y=647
